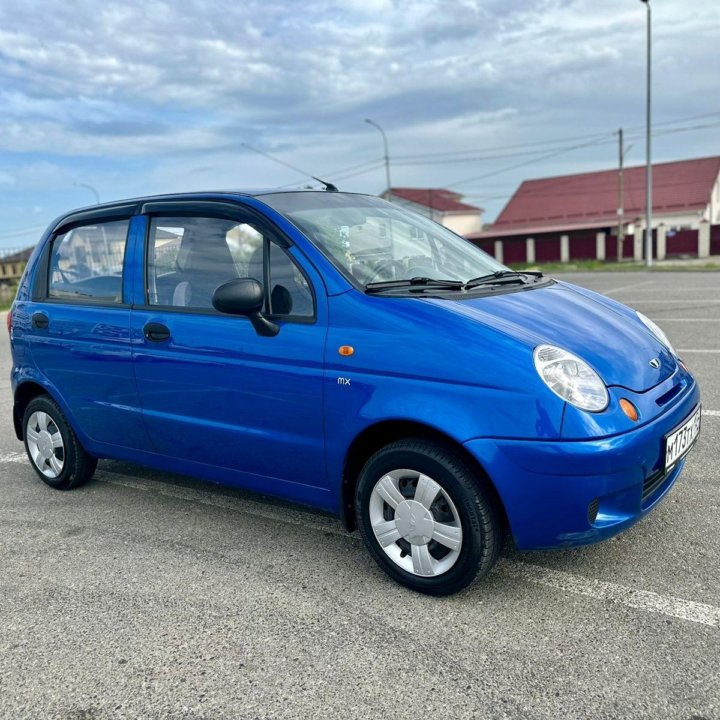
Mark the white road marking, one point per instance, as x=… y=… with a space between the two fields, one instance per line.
x=697 y=350
x=13 y=457
x=699 y=302
x=677 y=319
x=626 y=287
x=601 y=590
x=666 y=289
x=642 y=600
x=711 y=413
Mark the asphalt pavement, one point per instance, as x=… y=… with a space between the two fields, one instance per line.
x=148 y=595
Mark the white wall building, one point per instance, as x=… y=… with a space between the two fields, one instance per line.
x=441 y=205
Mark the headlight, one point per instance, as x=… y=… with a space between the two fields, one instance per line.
x=654 y=328
x=570 y=378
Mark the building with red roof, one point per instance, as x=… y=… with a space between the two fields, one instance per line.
x=443 y=206
x=577 y=216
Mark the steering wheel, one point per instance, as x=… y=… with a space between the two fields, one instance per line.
x=68 y=276
x=384 y=266
x=421 y=271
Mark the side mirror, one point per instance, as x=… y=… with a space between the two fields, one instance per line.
x=244 y=296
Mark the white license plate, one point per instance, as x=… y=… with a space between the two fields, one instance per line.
x=679 y=442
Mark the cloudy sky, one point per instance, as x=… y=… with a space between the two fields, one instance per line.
x=144 y=97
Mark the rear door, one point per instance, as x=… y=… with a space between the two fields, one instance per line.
x=79 y=335
x=213 y=390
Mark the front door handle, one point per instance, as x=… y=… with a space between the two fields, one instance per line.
x=156 y=332
x=40 y=321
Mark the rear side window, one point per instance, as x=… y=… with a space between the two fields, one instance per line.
x=190 y=257
x=86 y=263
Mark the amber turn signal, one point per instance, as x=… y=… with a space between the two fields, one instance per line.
x=346 y=350
x=629 y=409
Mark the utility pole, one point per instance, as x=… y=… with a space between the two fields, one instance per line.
x=387 y=156
x=648 y=171
x=621 y=199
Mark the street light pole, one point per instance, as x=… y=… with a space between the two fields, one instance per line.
x=648 y=136
x=91 y=189
x=387 y=156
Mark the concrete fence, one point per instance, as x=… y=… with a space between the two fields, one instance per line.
x=600 y=245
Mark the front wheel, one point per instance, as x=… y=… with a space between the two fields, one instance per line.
x=53 y=448
x=426 y=518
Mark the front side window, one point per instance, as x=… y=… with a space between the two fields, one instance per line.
x=86 y=263
x=190 y=257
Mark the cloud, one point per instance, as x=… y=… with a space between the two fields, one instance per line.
x=141 y=85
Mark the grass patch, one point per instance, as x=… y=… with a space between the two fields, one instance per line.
x=7 y=296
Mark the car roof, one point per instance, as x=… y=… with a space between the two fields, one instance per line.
x=132 y=205
x=198 y=195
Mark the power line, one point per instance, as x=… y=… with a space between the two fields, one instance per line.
x=20 y=233
x=495 y=148
x=346 y=173
x=477 y=158
x=535 y=143
x=569 y=193
x=562 y=151
x=555 y=153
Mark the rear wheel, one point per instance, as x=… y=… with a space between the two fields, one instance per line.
x=426 y=518
x=53 y=448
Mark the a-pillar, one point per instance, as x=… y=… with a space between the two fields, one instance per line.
x=661 y=247
x=564 y=248
x=600 y=245
x=704 y=239
x=530 y=250
x=499 y=250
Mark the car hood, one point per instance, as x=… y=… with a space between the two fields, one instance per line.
x=606 y=334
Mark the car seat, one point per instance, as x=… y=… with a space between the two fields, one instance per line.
x=204 y=262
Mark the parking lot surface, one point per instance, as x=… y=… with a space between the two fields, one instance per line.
x=147 y=595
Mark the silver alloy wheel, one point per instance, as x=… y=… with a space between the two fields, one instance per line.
x=45 y=444
x=415 y=522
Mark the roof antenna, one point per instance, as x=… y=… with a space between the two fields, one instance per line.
x=329 y=187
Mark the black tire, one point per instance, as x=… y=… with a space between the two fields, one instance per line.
x=478 y=518
x=77 y=466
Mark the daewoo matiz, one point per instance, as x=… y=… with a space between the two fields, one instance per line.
x=336 y=350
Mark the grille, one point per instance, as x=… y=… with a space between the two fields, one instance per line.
x=669 y=395
x=593 y=508
x=653 y=482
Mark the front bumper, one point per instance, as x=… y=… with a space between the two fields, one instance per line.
x=563 y=493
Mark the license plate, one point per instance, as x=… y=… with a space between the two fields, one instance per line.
x=679 y=442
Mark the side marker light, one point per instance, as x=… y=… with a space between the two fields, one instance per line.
x=629 y=409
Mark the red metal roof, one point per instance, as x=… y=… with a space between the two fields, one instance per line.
x=683 y=186
x=438 y=199
x=510 y=230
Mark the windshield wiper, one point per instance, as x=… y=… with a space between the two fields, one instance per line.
x=501 y=277
x=419 y=282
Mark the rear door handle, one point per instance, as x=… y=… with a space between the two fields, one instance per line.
x=156 y=332
x=40 y=321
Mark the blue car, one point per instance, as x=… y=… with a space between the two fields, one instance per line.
x=336 y=350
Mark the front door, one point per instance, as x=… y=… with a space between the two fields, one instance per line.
x=214 y=391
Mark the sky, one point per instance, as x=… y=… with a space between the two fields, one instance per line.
x=143 y=97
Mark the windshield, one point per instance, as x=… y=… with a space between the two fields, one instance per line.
x=371 y=240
